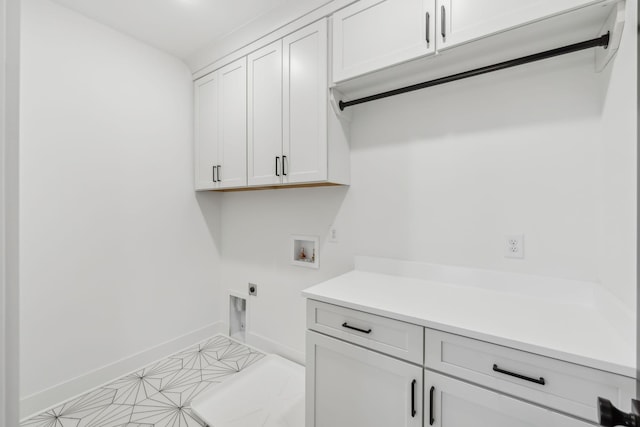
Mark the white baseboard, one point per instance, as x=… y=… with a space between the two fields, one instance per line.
x=47 y=398
x=269 y=346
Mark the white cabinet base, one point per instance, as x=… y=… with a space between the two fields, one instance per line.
x=456 y=403
x=349 y=386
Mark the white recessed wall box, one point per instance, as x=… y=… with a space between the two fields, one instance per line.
x=305 y=251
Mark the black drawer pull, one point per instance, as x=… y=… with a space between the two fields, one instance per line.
x=214 y=173
x=277 y=161
x=284 y=165
x=219 y=169
x=345 y=325
x=413 y=399
x=431 y=417
x=522 y=377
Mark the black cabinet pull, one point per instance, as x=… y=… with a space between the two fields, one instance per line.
x=284 y=163
x=610 y=416
x=214 y=173
x=428 y=29
x=522 y=377
x=431 y=417
x=443 y=22
x=413 y=399
x=277 y=160
x=219 y=169
x=345 y=325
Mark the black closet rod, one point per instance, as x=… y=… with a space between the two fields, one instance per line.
x=602 y=41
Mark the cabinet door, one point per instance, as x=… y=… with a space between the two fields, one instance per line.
x=305 y=95
x=350 y=386
x=461 y=21
x=206 y=131
x=374 y=34
x=232 y=136
x=265 y=115
x=459 y=404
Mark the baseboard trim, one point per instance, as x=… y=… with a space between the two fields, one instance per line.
x=269 y=346
x=41 y=401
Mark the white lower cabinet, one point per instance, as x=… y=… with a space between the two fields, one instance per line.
x=566 y=387
x=350 y=386
x=368 y=370
x=453 y=403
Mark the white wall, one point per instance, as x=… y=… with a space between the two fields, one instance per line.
x=117 y=256
x=256 y=230
x=9 y=129
x=442 y=175
x=618 y=163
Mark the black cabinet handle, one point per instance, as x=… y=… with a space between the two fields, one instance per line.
x=428 y=29
x=431 y=417
x=413 y=399
x=610 y=416
x=522 y=377
x=219 y=169
x=277 y=160
x=443 y=22
x=284 y=163
x=214 y=173
x=345 y=325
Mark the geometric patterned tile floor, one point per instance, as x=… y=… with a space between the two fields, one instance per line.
x=158 y=395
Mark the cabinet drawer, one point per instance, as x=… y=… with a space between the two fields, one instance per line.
x=398 y=339
x=559 y=385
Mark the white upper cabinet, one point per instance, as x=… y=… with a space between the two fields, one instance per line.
x=264 y=120
x=232 y=138
x=462 y=21
x=373 y=34
x=206 y=132
x=265 y=116
x=294 y=137
x=221 y=128
x=305 y=104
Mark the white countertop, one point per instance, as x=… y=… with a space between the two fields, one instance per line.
x=578 y=331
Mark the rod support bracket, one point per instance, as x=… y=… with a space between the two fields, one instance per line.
x=613 y=27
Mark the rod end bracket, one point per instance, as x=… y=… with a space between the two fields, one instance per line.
x=611 y=36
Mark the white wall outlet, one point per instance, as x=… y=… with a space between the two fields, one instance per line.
x=333 y=234
x=514 y=246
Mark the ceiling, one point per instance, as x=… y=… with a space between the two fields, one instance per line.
x=179 y=27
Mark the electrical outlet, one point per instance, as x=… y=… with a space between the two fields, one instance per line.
x=514 y=246
x=253 y=289
x=333 y=234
